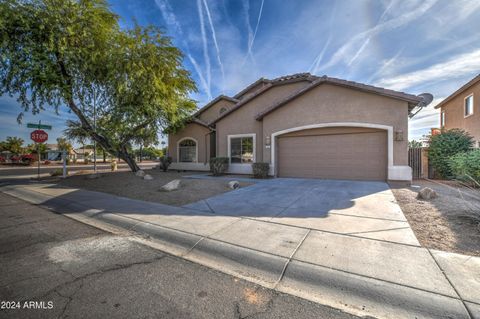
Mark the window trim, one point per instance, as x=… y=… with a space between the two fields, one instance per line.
x=196 y=149
x=443 y=118
x=229 y=150
x=465 y=105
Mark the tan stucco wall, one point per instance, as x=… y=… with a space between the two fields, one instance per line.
x=195 y=131
x=242 y=121
x=454 y=112
x=214 y=110
x=329 y=103
x=252 y=90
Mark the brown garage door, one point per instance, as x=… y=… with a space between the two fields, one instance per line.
x=334 y=153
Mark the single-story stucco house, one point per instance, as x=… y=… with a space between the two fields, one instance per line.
x=303 y=126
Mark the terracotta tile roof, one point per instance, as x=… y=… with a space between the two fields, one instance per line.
x=268 y=84
x=286 y=78
x=212 y=102
x=411 y=99
x=460 y=90
x=199 y=121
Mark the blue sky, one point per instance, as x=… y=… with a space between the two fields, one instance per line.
x=407 y=45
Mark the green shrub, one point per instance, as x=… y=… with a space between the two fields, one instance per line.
x=445 y=145
x=260 y=170
x=219 y=165
x=165 y=162
x=466 y=166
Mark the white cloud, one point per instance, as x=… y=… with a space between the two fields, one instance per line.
x=349 y=49
x=214 y=38
x=457 y=67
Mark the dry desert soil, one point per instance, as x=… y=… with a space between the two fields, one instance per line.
x=450 y=222
x=126 y=184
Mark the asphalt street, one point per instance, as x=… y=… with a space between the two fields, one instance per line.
x=56 y=267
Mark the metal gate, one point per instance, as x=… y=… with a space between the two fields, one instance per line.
x=415 y=161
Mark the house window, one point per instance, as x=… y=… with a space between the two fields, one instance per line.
x=468 y=105
x=442 y=119
x=223 y=110
x=187 y=151
x=242 y=149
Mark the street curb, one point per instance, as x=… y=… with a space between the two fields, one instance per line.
x=352 y=293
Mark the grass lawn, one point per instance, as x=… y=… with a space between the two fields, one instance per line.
x=126 y=184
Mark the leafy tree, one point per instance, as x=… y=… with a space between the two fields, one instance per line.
x=414 y=144
x=73 y=53
x=14 y=145
x=64 y=144
x=150 y=152
x=34 y=148
x=445 y=145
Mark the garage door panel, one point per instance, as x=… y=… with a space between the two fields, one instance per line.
x=339 y=156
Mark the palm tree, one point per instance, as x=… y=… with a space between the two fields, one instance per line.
x=14 y=145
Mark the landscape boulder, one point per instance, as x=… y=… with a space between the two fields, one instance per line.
x=113 y=165
x=147 y=177
x=426 y=193
x=171 y=186
x=140 y=173
x=233 y=184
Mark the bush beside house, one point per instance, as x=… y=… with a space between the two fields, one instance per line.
x=466 y=166
x=218 y=165
x=260 y=170
x=445 y=145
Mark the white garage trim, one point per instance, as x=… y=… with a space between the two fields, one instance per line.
x=394 y=172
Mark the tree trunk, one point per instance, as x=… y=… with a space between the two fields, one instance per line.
x=124 y=155
x=104 y=157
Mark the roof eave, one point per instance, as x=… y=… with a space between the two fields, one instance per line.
x=410 y=99
x=212 y=102
x=467 y=85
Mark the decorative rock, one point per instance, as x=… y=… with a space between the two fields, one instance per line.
x=140 y=173
x=113 y=165
x=93 y=176
x=171 y=186
x=426 y=193
x=233 y=184
x=147 y=177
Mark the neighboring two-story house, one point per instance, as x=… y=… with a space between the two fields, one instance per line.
x=303 y=126
x=462 y=109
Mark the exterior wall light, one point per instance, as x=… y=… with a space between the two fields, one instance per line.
x=399 y=135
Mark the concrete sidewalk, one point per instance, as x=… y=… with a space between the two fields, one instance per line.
x=364 y=276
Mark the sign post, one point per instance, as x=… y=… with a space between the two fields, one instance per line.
x=64 y=155
x=39 y=136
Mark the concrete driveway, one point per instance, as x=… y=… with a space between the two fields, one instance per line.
x=340 y=243
x=357 y=208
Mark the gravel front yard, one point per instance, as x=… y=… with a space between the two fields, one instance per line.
x=450 y=222
x=126 y=184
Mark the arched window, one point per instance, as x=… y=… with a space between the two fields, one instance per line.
x=187 y=150
x=223 y=110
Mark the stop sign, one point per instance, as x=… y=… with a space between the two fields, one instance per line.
x=39 y=136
